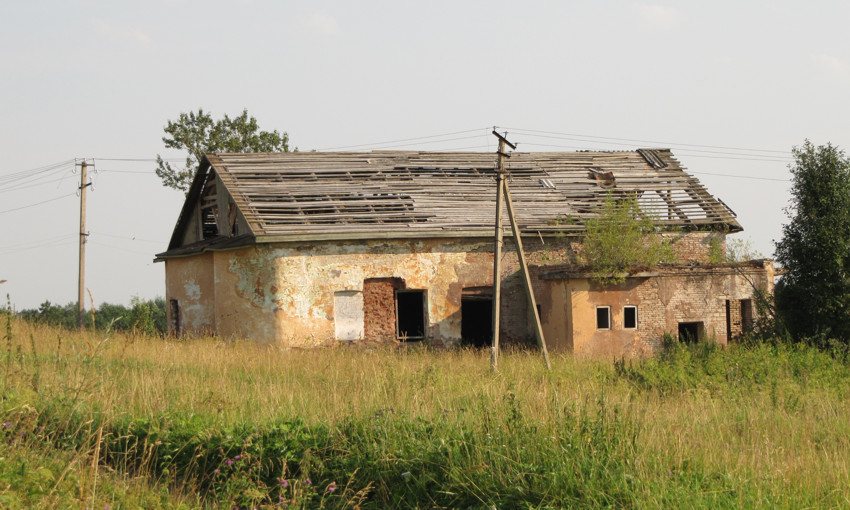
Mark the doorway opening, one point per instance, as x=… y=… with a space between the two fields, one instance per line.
x=410 y=315
x=691 y=332
x=476 y=321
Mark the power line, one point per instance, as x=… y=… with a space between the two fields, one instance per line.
x=147 y=172
x=33 y=171
x=402 y=140
x=430 y=141
x=743 y=177
x=131 y=238
x=142 y=160
x=37 y=203
x=98 y=243
x=51 y=241
x=651 y=141
x=688 y=152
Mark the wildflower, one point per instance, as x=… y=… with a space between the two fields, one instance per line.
x=308 y=482
x=7 y=425
x=283 y=482
x=331 y=487
x=216 y=471
x=237 y=457
x=229 y=462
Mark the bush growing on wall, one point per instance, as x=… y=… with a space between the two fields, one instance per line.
x=621 y=239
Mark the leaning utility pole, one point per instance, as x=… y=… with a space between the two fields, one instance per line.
x=504 y=190
x=83 y=235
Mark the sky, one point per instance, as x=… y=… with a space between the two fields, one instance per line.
x=729 y=86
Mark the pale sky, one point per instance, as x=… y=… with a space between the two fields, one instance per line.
x=730 y=86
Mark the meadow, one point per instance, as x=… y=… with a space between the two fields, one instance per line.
x=105 y=419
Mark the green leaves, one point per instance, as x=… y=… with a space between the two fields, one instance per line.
x=814 y=295
x=622 y=238
x=199 y=134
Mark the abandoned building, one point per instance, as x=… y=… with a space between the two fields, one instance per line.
x=305 y=248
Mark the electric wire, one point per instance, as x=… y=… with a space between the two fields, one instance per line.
x=401 y=140
x=42 y=243
x=742 y=177
x=142 y=160
x=131 y=238
x=37 y=203
x=684 y=152
x=648 y=141
x=111 y=247
x=33 y=183
x=32 y=171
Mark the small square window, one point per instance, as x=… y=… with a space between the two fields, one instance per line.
x=603 y=317
x=630 y=319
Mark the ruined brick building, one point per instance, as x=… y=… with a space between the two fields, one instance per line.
x=305 y=248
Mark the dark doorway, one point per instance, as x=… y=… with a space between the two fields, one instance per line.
x=690 y=332
x=746 y=315
x=175 y=316
x=410 y=314
x=476 y=321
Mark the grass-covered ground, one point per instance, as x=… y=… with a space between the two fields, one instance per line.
x=132 y=421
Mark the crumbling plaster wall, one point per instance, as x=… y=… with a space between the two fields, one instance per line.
x=190 y=281
x=696 y=294
x=284 y=292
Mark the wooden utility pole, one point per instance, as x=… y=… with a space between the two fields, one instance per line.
x=529 y=291
x=497 y=250
x=502 y=190
x=83 y=235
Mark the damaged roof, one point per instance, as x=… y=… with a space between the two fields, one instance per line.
x=393 y=194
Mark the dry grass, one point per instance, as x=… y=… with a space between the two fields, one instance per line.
x=780 y=437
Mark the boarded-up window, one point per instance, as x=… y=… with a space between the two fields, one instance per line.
x=348 y=315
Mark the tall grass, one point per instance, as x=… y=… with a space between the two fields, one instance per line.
x=237 y=423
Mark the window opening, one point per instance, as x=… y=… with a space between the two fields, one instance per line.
x=690 y=332
x=630 y=317
x=603 y=317
x=209 y=208
x=476 y=321
x=410 y=314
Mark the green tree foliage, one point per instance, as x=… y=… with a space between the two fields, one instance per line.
x=622 y=238
x=813 y=298
x=199 y=134
x=142 y=316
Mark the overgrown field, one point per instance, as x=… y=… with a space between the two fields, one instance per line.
x=98 y=419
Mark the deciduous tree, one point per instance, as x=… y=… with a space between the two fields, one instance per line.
x=813 y=298
x=198 y=134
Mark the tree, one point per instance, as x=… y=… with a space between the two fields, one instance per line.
x=622 y=238
x=199 y=134
x=813 y=297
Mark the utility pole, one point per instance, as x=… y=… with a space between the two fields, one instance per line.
x=504 y=191
x=83 y=235
x=497 y=250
